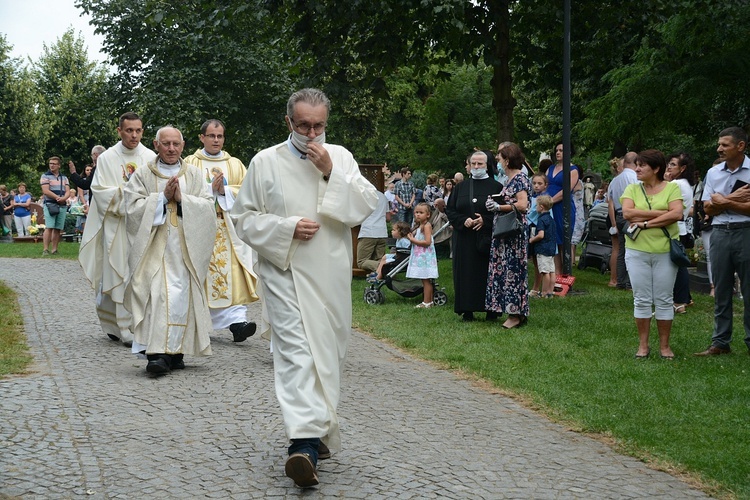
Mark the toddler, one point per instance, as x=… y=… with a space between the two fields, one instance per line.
x=543 y=243
x=423 y=260
x=539 y=184
x=399 y=231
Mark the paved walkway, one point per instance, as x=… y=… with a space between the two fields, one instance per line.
x=88 y=422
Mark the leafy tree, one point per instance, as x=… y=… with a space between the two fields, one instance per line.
x=21 y=134
x=385 y=35
x=75 y=107
x=180 y=63
x=458 y=118
x=684 y=84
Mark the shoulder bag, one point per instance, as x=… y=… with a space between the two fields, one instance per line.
x=507 y=225
x=677 y=251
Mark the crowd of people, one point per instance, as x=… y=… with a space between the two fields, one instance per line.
x=176 y=246
x=648 y=191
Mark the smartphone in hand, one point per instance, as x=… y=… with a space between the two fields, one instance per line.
x=633 y=231
x=738 y=184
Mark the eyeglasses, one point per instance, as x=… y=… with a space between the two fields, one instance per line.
x=213 y=137
x=305 y=128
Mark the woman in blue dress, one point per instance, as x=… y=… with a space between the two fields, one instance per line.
x=555 y=190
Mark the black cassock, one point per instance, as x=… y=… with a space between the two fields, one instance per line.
x=471 y=249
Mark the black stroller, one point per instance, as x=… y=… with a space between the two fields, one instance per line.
x=597 y=242
x=405 y=287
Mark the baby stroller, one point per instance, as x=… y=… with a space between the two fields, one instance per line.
x=405 y=287
x=597 y=242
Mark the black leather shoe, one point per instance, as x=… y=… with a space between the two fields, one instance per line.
x=323 y=452
x=241 y=331
x=158 y=364
x=176 y=362
x=301 y=469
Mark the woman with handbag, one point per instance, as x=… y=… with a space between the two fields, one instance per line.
x=507 y=281
x=472 y=234
x=651 y=206
x=681 y=171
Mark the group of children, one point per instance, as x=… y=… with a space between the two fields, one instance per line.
x=422 y=259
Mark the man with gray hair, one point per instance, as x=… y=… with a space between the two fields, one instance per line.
x=297 y=206
x=169 y=211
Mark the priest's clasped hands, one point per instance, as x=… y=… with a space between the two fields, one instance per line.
x=172 y=190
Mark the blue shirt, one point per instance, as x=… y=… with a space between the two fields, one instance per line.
x=546 y=246
x=719 y=179
x=22 y=211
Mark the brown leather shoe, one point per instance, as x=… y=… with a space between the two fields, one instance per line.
x=713 y=351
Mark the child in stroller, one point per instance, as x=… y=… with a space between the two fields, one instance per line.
x=399 y=232
x=408 y=287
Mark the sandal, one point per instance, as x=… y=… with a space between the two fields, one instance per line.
x=680 y=308
x=423 y=305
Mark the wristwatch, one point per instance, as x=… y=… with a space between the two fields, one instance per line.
x=645 y=225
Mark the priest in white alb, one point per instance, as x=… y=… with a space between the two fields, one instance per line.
x=169 y=212
x=297 y=206
x=104 y=245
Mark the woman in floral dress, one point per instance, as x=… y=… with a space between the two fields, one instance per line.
x=507 y=280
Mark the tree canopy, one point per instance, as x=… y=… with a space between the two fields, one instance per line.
x=413 y=83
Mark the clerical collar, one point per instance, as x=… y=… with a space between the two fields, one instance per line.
x=209 y=155
x=294 y=150
x=168 y=166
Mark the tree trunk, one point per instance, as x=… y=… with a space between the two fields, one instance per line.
x=502 y=99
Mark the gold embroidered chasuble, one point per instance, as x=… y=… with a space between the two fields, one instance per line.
x=231 y=280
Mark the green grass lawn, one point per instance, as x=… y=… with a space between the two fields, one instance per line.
x=573 y=362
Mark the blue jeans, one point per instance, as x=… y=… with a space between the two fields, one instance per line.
x=307 y=445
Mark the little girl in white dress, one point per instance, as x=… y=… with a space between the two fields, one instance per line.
x=423 y=261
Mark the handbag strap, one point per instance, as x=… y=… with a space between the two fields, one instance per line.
x=643 y=189
x=666 y=233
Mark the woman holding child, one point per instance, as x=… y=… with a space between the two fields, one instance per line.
x=651 y=206
x=507 y=282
